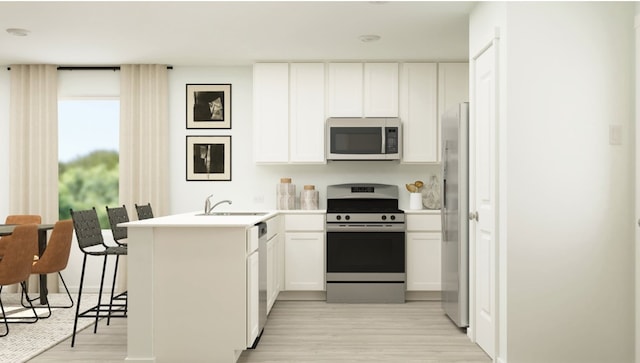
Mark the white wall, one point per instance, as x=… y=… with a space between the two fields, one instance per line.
x=568 y=222
x=253 y=186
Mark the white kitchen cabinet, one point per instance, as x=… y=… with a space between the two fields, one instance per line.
x=253 y=286
x=381 y=90
x=418 y=113
x=289 y=112
x=275 y=261
x=423 y=237
x=345 y=90
x=304 y=261
x=304 y=250
x=306 y=112
x=453 y=88
x=453 y=85
x=272 y=293
x=271 y=112
x=363 y=90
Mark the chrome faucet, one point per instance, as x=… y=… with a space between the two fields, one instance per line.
x=208 y=207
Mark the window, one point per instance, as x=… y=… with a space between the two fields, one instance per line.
x=88 y=137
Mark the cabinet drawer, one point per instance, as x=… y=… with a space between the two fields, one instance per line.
x=423 y=222
x=304 y=222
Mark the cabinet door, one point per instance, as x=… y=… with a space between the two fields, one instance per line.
x=306 y=111
x=423 y=261
x=381 y=90
x=271 y=273
x=345 y=90
x=453 y=88
x=418 y=112
x=280 y=264
x=271 y=112
x=253 y=282
x=304 y=261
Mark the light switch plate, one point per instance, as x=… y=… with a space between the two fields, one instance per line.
x=615 y=134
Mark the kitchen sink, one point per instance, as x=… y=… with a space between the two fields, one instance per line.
x=231 y=214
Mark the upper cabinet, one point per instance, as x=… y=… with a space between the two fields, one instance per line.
x=427 y=90
x=363 y=90
x=288 y=112
x=453 y=85
x=418 y=112
x=453 y=88
x=271 y=112
x=345 y=90
x=293 y=100
x=381 y=90
x=306 y=112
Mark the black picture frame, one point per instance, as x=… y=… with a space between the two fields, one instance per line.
x=208 y=106
x=208 y=158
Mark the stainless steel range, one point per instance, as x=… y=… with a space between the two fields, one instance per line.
x=365 y=244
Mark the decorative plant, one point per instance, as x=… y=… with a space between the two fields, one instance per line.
x=415 y=187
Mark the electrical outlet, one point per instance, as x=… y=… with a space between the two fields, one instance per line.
x=258 y=199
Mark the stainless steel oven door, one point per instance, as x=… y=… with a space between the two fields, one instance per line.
x=365 y=255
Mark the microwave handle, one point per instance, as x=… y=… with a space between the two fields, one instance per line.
x=384 y=148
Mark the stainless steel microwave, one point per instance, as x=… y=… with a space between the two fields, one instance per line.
x=364 y=139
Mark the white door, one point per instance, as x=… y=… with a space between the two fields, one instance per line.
x=482 y=228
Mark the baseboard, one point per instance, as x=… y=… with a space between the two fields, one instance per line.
x=423 y=295
x=322 y=295
x=303 y=295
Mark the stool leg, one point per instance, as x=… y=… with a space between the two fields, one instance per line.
x=99 y=306
x=75 y=322
x=113 y=287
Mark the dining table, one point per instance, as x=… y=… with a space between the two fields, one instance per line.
x=7 y=229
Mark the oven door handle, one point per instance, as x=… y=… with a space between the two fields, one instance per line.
x=369 y=227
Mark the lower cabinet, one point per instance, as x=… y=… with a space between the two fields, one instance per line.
x=423 y=261
x=275 y=269
x=253 y=303
x=275 y=260
x=423 y=239
x=304 y=261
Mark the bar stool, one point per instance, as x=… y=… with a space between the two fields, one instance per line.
x=118 y=215
x=144 y=211
x=91 y=243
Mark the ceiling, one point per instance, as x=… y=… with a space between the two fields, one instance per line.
x=224 y=33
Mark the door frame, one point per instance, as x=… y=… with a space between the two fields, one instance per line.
x=637 y=187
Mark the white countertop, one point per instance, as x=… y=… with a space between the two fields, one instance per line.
x=193 y=219
x=422 y=211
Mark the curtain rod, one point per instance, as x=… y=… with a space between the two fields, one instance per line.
x=90 y=68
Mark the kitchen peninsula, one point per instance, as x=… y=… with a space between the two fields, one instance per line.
x=187 y=286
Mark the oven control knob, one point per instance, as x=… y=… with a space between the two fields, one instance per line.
x=338 y=217
x=384 y=218
x=347 y=217
x=393 y=218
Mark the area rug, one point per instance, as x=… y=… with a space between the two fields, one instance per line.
x=25 y=341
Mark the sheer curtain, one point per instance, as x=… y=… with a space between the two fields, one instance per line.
x=33 y=146
x=144 y=140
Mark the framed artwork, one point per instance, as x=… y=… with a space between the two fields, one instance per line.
x=209 y=158
x=208 y=106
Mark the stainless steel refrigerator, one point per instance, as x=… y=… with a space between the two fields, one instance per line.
x=455 y=210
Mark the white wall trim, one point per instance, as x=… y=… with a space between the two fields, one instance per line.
x=637 y=187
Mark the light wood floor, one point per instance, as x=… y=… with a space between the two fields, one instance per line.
x=314 y=331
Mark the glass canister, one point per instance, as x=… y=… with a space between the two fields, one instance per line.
x=309 y=198
x=285 y=194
